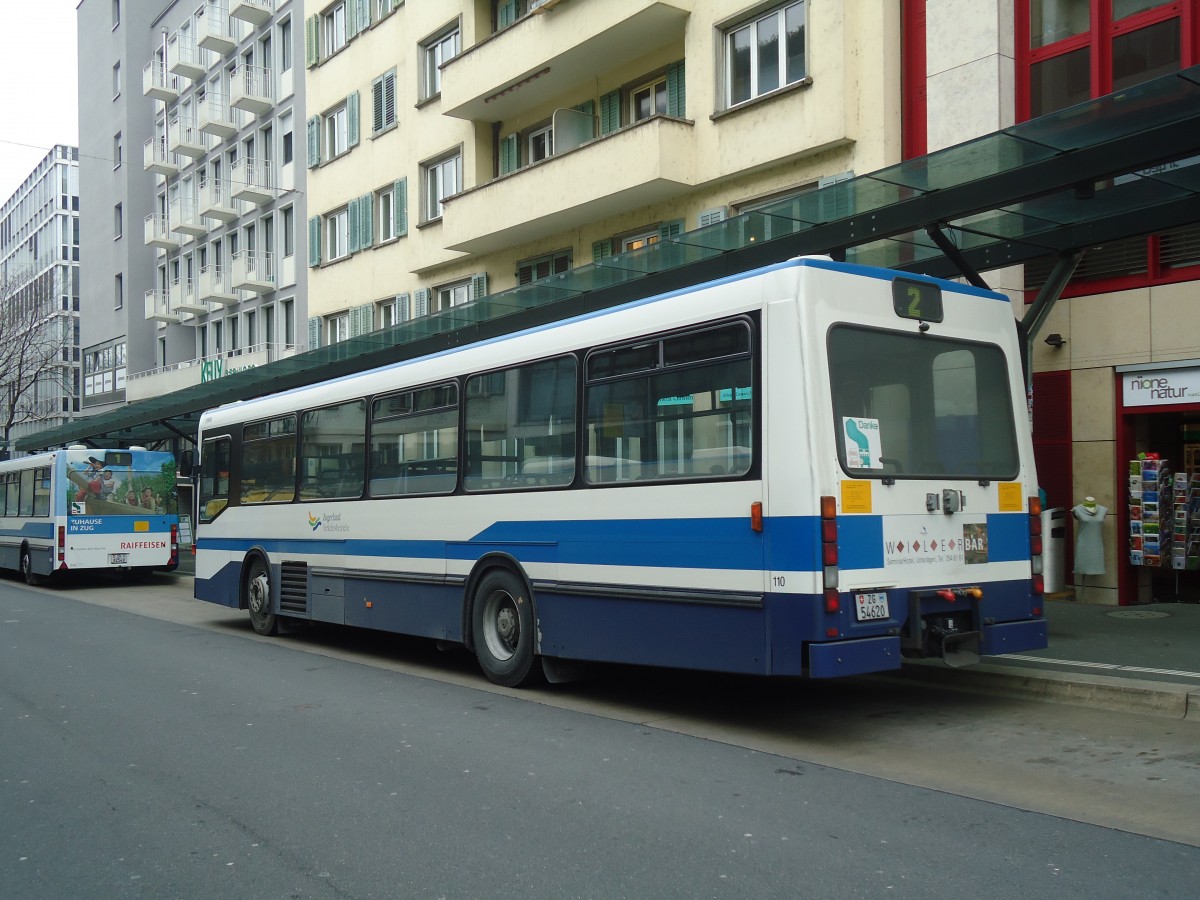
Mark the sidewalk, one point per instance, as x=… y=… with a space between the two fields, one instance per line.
x=1139 y=659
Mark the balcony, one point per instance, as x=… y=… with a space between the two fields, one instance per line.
x=186 y=219
x=542 y=56
x=214 y=286
x=186 y=298
x=185 y=58
x=215 y=117
x=216 y=201
x=184 y=136
x=215 y=29
x=651 y=162
x=158 y=83
x=158 y=233
x=256 y=12
x=253 y=270
x=251 y=88
x=156 y=159
x=158 y=306
x=252 y=179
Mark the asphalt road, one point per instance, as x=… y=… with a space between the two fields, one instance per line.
x=152 y=746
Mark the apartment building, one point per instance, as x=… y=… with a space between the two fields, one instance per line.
x=39 y=278
x=456 y=149
x=199 y=137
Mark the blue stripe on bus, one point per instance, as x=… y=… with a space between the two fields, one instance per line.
x=42 y=530
x=109 y=524
x=789 y=543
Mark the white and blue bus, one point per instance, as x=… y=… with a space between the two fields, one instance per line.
x=81 y=509
x=813 y=468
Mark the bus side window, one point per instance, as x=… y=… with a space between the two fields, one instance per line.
x=214 y=478
x=41 y=492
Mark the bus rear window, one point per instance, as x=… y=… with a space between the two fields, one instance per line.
x=915 y=406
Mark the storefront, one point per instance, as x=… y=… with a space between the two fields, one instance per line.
x=1158 y=481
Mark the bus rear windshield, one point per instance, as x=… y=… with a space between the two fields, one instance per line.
x=916 y=406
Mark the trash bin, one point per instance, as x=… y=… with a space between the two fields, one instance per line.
x=1054 y=555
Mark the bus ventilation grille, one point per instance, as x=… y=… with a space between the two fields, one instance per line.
x=293 y=587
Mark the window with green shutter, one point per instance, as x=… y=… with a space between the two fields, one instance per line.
x=509 y=154
x=610 y=112
x=314 y=241
x=352 y=120
x=314 y=142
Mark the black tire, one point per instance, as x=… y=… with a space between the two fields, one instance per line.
x=259 y=600
x=31 y=577
x=503 y=629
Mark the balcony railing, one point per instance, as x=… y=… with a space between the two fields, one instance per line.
x=158 y=233
x=186 y=218
x=184 y=136
x=156 y=158
x=214 y=286
x=187 y=300
x=253 y=179
x=215 y=29
x=256 y=12
x=215 y=117
x=185 y=58
x=251 y=88
x=158 y=306
x=215 y=200
x=158 y=83
x=254 y=270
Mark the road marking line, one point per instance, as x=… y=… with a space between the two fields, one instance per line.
x=1111 y=667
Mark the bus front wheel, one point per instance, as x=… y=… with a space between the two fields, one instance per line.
x=258 y=599
x=31 y=577
x=503 y=628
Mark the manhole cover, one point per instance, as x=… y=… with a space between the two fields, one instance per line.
x=1139 y=614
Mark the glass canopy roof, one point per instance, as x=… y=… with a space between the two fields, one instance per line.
x=1118 y=166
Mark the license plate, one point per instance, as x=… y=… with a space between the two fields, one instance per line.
x=118 y=559
x=872 y=606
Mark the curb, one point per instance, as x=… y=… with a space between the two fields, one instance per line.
x=1125 y=695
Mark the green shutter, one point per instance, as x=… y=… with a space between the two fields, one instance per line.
x=366 y=216
x=400 y=206
x=314 y=332
x=352 y=225
x=676 y=90
x=314 y=142
x=377 y=104
x=479 y=287
x=312 y=40
x=314 y=241
x=610 y=112
x=668 y=230
x=506 y=13
x=362 y=319
x=352 y=120
x=402 y=309
x=422 y=302
x=601 y=250
x=509 y=154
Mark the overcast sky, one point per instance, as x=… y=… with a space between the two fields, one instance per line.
x=39 y=105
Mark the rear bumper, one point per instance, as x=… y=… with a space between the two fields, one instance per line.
x=857 y=657
x=1014 y=637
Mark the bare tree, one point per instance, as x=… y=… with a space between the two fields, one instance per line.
x=35 y=352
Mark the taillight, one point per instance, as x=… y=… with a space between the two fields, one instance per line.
x=829 y=552
x=62 y=546
x=174 y=545
x=1037 y=583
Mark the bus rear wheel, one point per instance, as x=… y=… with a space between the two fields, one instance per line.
x=503 y=628
x=31 y=577
x=258 y=599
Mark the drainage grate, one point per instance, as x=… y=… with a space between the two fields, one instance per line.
x=1139 y=614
